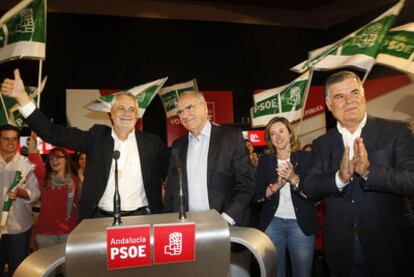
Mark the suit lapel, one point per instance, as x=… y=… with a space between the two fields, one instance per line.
x=142 y=156
x=108 y=153
x=370 y=134
x=213 y=149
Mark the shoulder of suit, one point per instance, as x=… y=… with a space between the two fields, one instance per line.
x=226 y=129
x=387 y=122
x=147 y=136
x=100 y=128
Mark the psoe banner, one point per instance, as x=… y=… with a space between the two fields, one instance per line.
x=128 y=246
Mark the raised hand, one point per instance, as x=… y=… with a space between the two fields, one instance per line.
x=360 y=160
x=346 y=168
x=14 y=88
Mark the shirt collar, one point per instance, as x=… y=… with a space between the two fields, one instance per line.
x=131 y=136
x=206 y=131
x=343 y=130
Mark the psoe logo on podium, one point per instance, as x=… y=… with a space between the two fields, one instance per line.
x=128 y=246
x=174 y=243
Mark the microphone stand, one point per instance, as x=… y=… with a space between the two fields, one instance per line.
x=182 y=215
x=117 y=197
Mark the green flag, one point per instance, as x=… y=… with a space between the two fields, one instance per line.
x=9 y=109
x=397 y=49
x=287 y=101
x=23 y=31
x=169 y=95
x=358 y=49
x=143 y=93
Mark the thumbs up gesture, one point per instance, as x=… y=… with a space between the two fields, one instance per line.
x=14 y=88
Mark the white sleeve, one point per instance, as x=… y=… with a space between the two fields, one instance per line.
x=27 y=109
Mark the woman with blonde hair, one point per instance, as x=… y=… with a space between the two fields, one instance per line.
x=287 y=217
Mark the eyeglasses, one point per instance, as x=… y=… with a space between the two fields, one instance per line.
x=55 y=157
x=12 y=139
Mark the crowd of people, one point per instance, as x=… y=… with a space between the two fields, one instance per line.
x=362 y=170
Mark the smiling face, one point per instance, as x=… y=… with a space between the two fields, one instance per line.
x=8 y=141
x=57 y=161
x=346 y=101
x=193 y=113
x=280 y=136
x=124 y=112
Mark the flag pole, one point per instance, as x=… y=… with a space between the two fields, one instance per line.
x=39 y=83
x=4 y=108
x=305 y=100
x=366 y=74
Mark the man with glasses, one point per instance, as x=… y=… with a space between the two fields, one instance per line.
x=216 y=169
x=363 y=169
x=16 y=225
x=142 y=161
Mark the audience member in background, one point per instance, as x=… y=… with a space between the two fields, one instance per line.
x=287 y=217
x=59 y=201
x=252 y=155
x=15 y=233
x=363 y=170
x=307 y=147
x=80 y=167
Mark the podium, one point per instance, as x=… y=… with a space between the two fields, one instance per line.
x=219 y=250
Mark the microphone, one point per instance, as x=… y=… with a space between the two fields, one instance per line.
x=182 y=216
x=117 y=197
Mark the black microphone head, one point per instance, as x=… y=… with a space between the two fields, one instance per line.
x=116 y=155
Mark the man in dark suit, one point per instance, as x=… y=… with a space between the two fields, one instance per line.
x=217 y=173
x=363 y=169
x=141 y=163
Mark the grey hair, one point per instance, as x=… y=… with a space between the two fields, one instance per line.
x=197 y=94
x=339 y=77
x=125 y=93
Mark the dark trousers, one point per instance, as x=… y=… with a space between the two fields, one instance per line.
x=13 y=250
x=359 y=266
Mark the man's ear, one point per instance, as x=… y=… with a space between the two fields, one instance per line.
x=328 y=103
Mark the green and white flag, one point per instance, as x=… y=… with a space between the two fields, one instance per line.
x=169 y=95
x=143 y=93
x=397 y=49
x=358 y=49
x=23 y=31
x=9 y=109
x=15 y=178
x=287 y=101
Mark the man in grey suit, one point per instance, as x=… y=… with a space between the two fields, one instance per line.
x=217 y=173
x=364 y=170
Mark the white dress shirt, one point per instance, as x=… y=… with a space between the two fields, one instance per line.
x=130 y=182
x=19 y=218
x=348 y=139
x=197 y=156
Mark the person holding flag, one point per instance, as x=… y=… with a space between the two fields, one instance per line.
x=142 y=160
x=18 y=190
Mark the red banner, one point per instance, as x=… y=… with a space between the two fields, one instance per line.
x=128 y=246
x=174 y=243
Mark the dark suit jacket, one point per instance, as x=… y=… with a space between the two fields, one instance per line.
x=374 y=209
x=98 y=144
x=305 y=210
x=230 y=175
